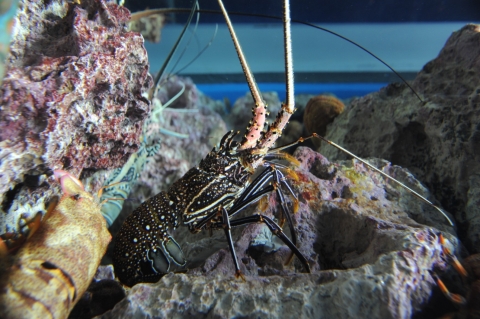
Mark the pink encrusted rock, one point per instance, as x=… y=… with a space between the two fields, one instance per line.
x=72 y=95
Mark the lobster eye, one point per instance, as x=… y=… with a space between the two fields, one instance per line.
x=234 y=145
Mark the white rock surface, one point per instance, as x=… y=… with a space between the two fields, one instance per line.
x=366 y=242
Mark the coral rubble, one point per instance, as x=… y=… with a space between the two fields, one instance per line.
x=71 y=98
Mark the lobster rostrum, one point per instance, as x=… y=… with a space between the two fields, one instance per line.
x=210 y=195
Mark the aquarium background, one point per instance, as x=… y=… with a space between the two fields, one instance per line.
x=404 y=34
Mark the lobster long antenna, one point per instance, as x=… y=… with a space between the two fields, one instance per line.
x=255 y=128
x=252 y=84
x=287 y=41
x=201 y=51
x=387 y=176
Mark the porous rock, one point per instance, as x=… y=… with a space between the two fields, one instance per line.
x=369 y=244
x=71 y=99
x=438 y=139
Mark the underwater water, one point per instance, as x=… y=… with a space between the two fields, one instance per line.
x=107 y=185
x=405 y=38
x=322 y=62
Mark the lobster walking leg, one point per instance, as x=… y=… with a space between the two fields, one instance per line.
x=274 y=228
x=271 y=172
x=253 y=193
x=279 y=179
x=227 y=228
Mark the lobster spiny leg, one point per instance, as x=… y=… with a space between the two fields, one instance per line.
x=255 y=127
x=257 y=184
x=454 y=298
x=451 y=257
x=283 y=204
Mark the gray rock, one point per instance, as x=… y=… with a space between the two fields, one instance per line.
x=438 y=139
x=369 y=243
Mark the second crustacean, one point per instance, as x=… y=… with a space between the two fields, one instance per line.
x=470 y=273
x=52 y=270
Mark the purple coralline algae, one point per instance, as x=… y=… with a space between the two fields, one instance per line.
x=72 y=97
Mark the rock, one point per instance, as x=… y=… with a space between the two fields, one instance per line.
x=438 y=139
x=150 y=25
x=72 y=99
x=101 y=296
x=369 y=243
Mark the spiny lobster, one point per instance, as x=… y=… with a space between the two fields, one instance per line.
x=210 y=195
